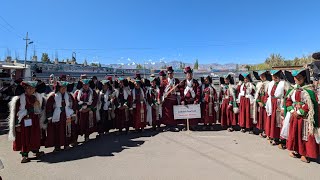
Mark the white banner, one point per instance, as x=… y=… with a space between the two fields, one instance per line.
x=191 y=111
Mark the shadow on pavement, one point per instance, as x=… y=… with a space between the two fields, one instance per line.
x=107 y=145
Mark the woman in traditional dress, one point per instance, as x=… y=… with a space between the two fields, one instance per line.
x=276 y=93
x=60 y=112
x=209 y=100
x=26 y=120
x=106 y=108
x=86 y=100
x=229 y=108
x=153 y=104
x=260 y=98
x=139 y=107
x=246 y=101
x=302 y=118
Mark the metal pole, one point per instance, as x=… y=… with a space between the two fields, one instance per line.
x=25 y=55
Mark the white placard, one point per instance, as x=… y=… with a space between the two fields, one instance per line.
x=27 y=122
x=191 y=111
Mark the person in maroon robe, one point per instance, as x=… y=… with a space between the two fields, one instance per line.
x=260 y=97
x=274 y=104
x=106 y=108
x=170 y=96
x=245 y=100
x=139 y=107
x=191 y=93
x=60 y=112
x=301 y=118
x=229 y=107
x=123 y=105
x=209 y=102
x=26 y=120
x=153 y=104
x=86 y=100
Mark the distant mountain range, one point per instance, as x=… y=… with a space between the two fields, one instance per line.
x=175 y=65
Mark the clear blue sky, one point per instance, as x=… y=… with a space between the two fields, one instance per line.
x=111 y=31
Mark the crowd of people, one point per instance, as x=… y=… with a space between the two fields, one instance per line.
x=282 y=106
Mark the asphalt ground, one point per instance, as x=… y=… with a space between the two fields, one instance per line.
x=162 y=155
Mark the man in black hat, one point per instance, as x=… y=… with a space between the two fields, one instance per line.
x=170 y=96
x=191 y=93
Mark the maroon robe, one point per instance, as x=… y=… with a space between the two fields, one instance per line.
x=83 y=117
x=208 y=97
x=121 y=121
x=188 y=99
x=262 y=114
x=56 y=131
x=29 y=138
x=106 y=123
x=227 y=116
x=139 y=119
x=152 y=99
x=169 y=102
x=245 y=119
x=295 y=140
x=271 y=128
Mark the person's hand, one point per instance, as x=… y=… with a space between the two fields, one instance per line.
x=182 y=103
x=295 y=114
x=260 y=104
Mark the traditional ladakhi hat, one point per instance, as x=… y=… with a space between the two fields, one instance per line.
x=303 y=72
x=188 y=70
x=104 y=82
x=152 y=79
x=63 y=83
x=85 y=81
x=170 y=70
x=257 y=74
x=29 y=84
x=162 y=73
x=245 y=75
x=227 y=76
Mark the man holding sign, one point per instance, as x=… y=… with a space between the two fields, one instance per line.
x=191 y=93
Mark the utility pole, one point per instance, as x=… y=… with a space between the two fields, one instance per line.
x=25 y=55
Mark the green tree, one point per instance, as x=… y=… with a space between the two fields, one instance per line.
x=139 y=66
x=45 y=58
x=99 y=65
x=248 y=67
x=196 y=65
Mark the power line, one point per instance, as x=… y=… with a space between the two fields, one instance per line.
x=9 y=25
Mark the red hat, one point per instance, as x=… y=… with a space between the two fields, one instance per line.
x=162 y=73
x=109 y=78
x=188 y=70
x=169 y=69
x=63 y=77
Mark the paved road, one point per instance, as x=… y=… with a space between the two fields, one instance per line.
x=169 y=155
